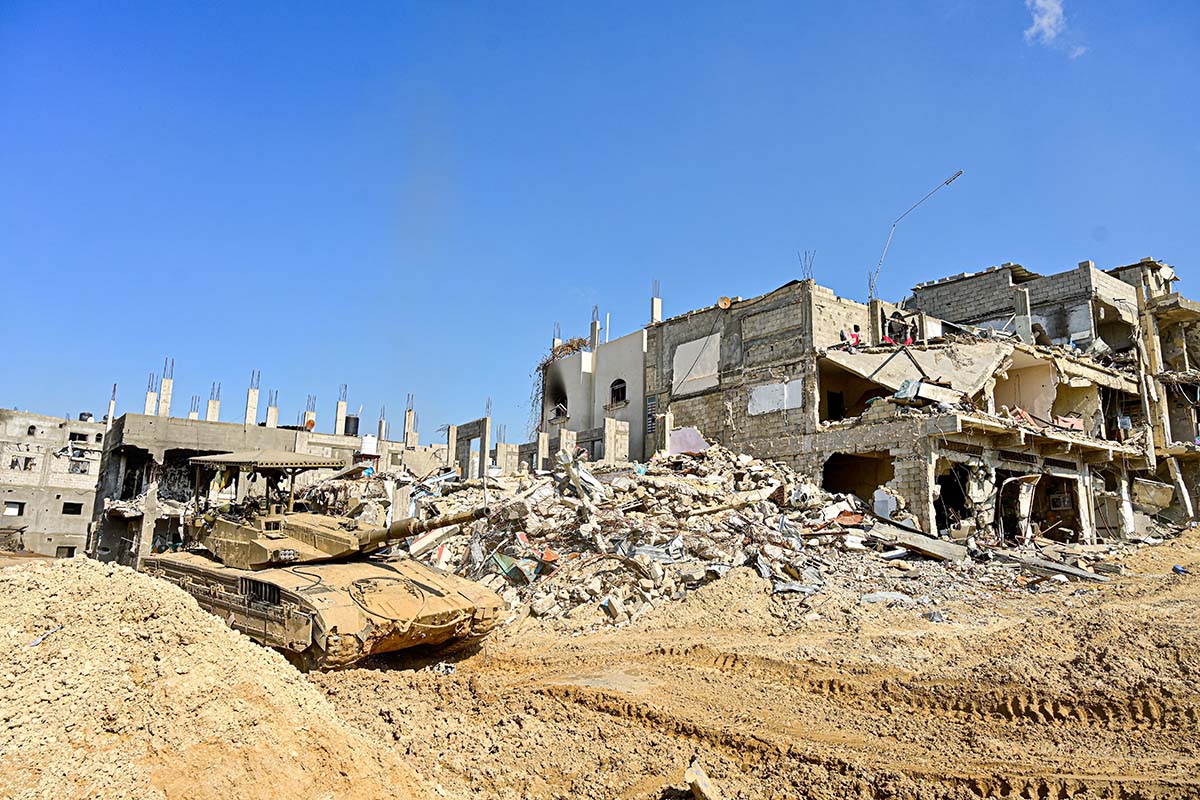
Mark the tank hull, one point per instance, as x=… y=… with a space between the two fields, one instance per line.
x=334 y=614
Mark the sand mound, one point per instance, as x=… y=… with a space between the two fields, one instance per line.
x=143 y=694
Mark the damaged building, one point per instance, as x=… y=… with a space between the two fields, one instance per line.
x=592 y=395
x=48 y=470
x=1000 y=405
x=145 y=480
x=1129 y=318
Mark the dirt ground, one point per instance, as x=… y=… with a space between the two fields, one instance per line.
x=114 y=684
x=1082 y=691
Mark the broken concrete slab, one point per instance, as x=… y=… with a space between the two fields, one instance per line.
x=917 y=542
x=965 y=367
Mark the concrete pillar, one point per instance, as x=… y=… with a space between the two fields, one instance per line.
x=506 y=458
x=1185 y=498
x=165 y=389
x=112 y=412
x=875 y=329
x=272 y=416
x=462 y=457
x=151 y=407
x=213 y=412
x=655 y=309
x=193 y=415
x=485 y=446
x=662 y=431
x=543 y=452
x=339 y=418
x=382 y=432
x=567 y=440
x=913 y=478
x=310 y=416
x=616 y=441
x=145 y=542
x=451 y=444
x=1023 y=319
x=1087 y=500
x=410 y=425
x=1125 y=522
x=251 y=407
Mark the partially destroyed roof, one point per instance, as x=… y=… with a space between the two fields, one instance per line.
x=268 y=459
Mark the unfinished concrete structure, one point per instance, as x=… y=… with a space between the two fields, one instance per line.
x=470 y=459
x=144 y=479
x=48 y=472
x=965 y=425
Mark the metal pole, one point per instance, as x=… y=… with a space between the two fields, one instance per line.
x=879 y=266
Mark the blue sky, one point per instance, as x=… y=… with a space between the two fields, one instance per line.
x=406 y=197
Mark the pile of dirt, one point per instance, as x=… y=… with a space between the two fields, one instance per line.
x=741 y=600
x=114 y=684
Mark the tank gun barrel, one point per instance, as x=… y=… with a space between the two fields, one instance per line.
x=411 y=526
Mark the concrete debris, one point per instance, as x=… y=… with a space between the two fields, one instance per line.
x=698 y=781
x=607 y=544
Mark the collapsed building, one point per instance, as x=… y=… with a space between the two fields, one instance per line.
x=1001 y=404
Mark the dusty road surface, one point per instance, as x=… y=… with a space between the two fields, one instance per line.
x=1081 y=691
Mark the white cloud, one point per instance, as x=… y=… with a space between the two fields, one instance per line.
x=1049 y=20
x=1049 y=28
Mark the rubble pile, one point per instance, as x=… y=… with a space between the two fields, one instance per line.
x=606 y=546
x=116 y=684
x=366 y=499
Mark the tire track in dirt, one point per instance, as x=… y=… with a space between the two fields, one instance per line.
x=874 y=782
x=996 y=703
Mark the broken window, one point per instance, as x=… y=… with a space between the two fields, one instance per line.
x=77 y=437
x=22 y=463
x=72 y=509
x=137 y=470
x=616 y=392
x=13 y=508
x=78 y=467
x=556 y=398
x=99 y=438
x=64 y=552
x=835 y=405
x=32 y=431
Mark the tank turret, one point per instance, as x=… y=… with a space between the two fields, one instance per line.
x=278 y=540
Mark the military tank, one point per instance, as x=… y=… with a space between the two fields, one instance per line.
x=319 y=588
